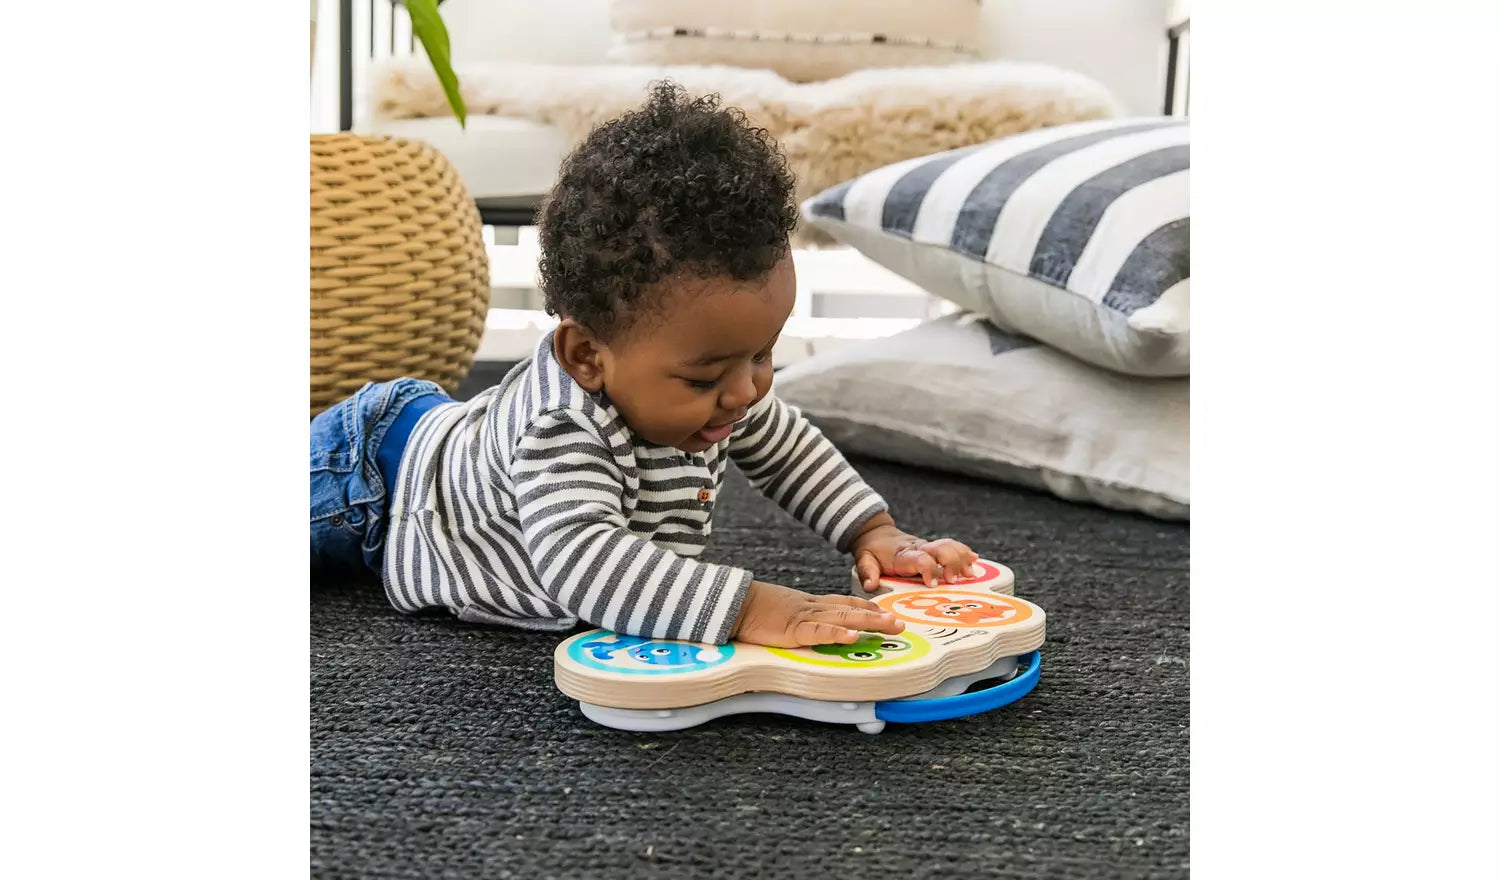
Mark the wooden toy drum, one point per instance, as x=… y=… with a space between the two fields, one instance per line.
x=950 y=634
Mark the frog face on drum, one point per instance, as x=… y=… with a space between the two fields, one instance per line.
x=866 y=650
x=871 y=650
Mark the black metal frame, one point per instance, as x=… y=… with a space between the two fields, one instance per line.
x=346 y=64
x=518 y=211
x=1174 y=40
x=346 y=54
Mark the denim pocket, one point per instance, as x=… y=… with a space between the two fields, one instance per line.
x=334 y=438
x=335 y=543
x=338 y=492
x=348 y=498
x=351 y=522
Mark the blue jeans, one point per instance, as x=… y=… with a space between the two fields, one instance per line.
x=349 y=484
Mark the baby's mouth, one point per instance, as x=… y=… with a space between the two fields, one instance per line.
x=713 y=434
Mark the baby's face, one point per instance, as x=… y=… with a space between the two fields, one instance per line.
x=684 y=377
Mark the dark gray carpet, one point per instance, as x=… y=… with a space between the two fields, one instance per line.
x=441 y=749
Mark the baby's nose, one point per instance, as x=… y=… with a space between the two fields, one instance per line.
x=737 y=396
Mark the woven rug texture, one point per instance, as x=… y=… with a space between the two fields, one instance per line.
x=442 y=749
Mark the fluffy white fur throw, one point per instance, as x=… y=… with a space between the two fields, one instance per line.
x=831 y=131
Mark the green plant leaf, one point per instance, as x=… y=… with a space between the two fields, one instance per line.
x=427 y=25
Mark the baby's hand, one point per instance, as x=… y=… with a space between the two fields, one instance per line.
x=885 y=549
x=781 y=617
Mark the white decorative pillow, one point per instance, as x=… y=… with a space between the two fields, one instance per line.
x=959 y=395
x=1075 y=235
x=802 y=40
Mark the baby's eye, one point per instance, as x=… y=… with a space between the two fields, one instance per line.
x=702 y=384
x=762 y=357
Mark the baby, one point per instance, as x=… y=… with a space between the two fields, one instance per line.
x=582 y=487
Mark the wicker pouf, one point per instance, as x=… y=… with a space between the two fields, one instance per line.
x=400 y=280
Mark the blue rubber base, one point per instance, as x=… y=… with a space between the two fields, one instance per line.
x=943 y=708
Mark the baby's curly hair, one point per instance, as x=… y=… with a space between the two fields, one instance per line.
x=681 y=184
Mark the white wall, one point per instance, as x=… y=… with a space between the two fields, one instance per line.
x=1121 y=43
x=322 y=99
x=550 y=31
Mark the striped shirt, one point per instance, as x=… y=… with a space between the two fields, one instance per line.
x=534 y=505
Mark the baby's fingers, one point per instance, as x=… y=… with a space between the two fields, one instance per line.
x=840 y=619
x=817 y=632
x=913 y=561
x=851 y=601
x=868 y=568
x=842 y=611
x=955 y=558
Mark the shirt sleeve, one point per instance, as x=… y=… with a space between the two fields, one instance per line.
x=792 y=463
x=568 y=490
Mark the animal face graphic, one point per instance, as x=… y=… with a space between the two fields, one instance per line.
x=624 y=652
x=866 y=650
x=871 y=650
x=665 y=653
x=656 y=653
x=968 y=610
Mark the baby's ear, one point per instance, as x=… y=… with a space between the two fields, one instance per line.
x=578 y=350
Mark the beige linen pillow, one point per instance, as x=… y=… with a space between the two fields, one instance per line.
x=802 y=40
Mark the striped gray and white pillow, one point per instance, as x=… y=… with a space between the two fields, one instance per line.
x=1075 y=235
